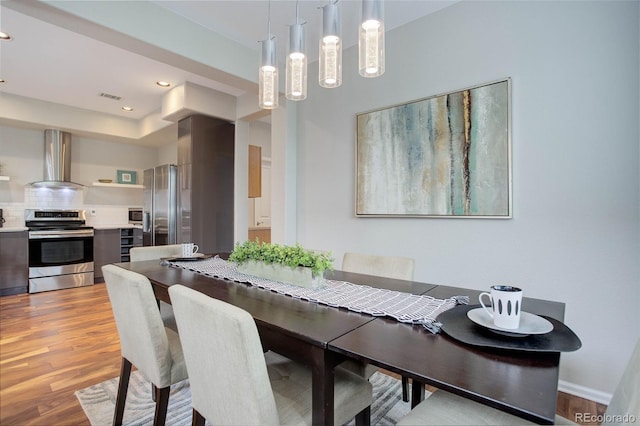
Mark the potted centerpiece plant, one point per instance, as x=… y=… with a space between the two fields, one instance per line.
x=289 y=264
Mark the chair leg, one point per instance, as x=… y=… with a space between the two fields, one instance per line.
x=123 y=385
x=162 y=402
x=154 y=389
x=197 y=419
x=363 y=418
x=405 y=389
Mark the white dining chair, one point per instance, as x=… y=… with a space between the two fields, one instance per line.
x=139 y=254
x=234 y=383
x=400 y=268
x=444 y=408
x=145 y=341
x=382 y=266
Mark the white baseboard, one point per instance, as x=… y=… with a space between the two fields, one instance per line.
x=585 y=392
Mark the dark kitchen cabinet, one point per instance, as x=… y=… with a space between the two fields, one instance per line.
x=106 y=249
x=14 y=263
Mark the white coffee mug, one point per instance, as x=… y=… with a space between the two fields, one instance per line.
x=189 y=249
x=506 y=302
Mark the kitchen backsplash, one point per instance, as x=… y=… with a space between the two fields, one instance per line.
x=43 y=198
x=13 y=214
x=97 y=215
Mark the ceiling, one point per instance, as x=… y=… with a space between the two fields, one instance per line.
x=50 y=63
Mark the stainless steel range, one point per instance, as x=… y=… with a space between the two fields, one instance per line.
x=60 y=249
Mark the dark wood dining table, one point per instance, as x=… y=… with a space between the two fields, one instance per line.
x=522 y=383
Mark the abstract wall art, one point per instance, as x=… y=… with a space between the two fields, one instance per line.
x=444 y=156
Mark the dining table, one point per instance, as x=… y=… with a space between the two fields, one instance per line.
x=523 y=383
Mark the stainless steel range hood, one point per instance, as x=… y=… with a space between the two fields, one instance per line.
x=57 y=162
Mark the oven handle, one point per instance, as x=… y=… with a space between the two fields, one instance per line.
x=60 y=234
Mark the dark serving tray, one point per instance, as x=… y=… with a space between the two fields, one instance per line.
x=456 y=324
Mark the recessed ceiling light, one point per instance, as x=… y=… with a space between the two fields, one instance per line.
x=4 y=36
x=127 y=108
x=163 y=84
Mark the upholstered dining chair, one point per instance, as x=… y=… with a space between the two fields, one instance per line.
x=145 y=342
x=383 y=266
x=234 y=383
x=138 y=254
x=444 y=408
x=400 y=268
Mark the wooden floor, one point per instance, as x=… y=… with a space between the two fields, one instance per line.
x=54 y=343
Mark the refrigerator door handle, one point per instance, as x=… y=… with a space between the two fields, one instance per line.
x=146 y=222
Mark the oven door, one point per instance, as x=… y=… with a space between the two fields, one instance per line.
x=59 y=248
x=60 y=259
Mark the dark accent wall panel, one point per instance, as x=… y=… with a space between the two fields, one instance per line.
x=206 y=149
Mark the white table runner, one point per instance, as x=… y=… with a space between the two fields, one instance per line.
x=403 y=307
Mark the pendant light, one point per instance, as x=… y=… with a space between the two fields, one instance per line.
x=268 y=72
x=296 y=62
x=371 y=40
x=330 y=62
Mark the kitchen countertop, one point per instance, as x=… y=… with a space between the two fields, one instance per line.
x=13 y=229
x=114 y=226
x=117 y=226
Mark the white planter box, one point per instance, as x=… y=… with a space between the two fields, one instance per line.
x=299 y=276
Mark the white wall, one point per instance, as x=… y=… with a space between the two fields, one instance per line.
x=168 y=154
x=22 y=159
x=575 y=234
x=260 y=135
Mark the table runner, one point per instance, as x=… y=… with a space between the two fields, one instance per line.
x=403 y=307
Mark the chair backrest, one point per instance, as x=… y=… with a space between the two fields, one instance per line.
x=225 y=362
x=382 y=266
x=143 y=338
x=138 y=254
x=626 y=397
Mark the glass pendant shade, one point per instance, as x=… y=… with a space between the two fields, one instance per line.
x=330 y=61
x=371 y=39
x=296 y=65
x=268 y=76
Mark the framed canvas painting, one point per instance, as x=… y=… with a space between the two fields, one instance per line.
x=444 y=156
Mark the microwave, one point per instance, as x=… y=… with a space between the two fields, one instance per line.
x=135 y=216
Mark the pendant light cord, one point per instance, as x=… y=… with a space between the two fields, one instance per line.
x=269 y=20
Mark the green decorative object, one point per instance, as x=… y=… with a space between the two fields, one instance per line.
x=289 y=264
x=127 y=177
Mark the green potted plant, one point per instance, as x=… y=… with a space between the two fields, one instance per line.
x=289 y=264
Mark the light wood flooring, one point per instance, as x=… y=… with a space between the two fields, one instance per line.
x=54 y=343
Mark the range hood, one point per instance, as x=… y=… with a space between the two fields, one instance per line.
x=57 y=162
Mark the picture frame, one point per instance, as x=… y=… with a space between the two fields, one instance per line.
x=444 y=156
x=127 y=177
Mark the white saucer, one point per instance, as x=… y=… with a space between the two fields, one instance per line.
x=529 y=323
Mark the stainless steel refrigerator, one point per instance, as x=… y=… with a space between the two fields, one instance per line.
x=160 y=201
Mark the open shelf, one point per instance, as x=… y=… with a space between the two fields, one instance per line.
x=4 y=177
x=118 y=185
x=129 y=237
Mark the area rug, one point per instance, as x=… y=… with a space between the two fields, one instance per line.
x=98 y=402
